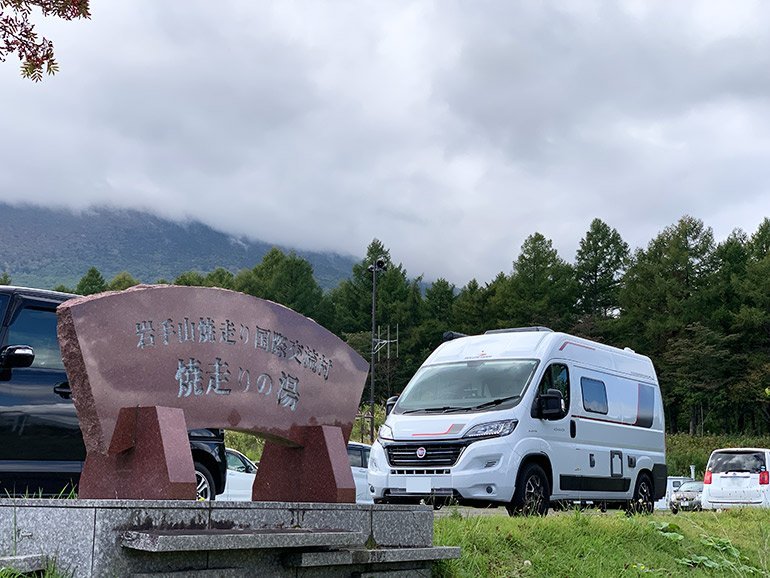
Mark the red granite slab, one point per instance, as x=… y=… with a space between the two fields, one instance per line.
x=226 y=359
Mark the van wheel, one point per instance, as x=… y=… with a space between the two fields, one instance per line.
x=204 y=483
x=532 y=495
x=642 y=502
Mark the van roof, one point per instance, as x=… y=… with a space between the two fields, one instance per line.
x=539 y=344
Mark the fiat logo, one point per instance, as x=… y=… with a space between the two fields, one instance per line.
x=421 y=453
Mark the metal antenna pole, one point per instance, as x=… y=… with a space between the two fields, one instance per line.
x=374 y=345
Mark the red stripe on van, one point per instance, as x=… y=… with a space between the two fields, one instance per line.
x=566 y=343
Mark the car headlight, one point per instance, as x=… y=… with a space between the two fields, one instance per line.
x=386 y=433
x=492 y=429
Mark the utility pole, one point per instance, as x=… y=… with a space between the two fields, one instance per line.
x=376 y=267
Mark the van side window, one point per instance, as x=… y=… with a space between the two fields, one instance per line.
x=556 y=376
x=37 y=327
x=594 y=395
x=645 y=411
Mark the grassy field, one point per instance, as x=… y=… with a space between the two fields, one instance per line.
x=589 y=543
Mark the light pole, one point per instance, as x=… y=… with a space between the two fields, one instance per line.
x=378 y=265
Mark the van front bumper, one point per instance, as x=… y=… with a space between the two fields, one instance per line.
x=484 y=472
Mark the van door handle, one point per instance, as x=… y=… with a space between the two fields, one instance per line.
x=572 y=428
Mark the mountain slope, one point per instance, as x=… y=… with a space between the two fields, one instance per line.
x=42 y=247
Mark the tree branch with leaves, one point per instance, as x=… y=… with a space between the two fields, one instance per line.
x=18 y=35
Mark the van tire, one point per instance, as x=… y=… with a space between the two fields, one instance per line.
x=533 y=493
x=204 y=484
x=643 y=501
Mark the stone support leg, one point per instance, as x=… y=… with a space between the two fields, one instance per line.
x=319 y=471
x=149 y=458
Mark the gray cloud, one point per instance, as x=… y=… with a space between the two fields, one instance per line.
x=449 y=130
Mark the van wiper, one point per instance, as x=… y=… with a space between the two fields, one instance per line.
x=495 y=402
x=445 y=409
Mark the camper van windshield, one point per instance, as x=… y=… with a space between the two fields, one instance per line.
x=467 y=386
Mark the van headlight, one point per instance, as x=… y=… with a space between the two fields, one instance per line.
x=492 y=429
x=385 y=432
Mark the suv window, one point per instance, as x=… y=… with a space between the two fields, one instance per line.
x=3 y=304
x=37 y=327
x=354 y=456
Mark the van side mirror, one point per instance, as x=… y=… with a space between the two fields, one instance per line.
x=551 y=404
x=390 y=404
x=16 y=356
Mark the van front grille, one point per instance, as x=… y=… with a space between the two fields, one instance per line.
x=435 y=455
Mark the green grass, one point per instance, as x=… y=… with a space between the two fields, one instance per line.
x=589 y=544
x=51 y=571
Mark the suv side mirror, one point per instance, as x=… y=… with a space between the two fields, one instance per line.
x=16 y=356
x=551 y=404
x=390 y=404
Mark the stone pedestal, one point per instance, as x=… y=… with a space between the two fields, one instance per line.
x=187 y=538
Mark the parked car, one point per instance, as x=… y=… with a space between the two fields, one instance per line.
x=736 y=477
x=241 y=471
x=358 y=454
x=41 y=447
x=672 y=485
x=687 y=497
x=240 y=477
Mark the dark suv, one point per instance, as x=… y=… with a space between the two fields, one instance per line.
x=41 y=447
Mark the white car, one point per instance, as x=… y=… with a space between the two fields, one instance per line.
x=736 y=477
x=358 y=454
x=240 y=477
x=241 y=471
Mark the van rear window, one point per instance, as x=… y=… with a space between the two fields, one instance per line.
x=723 y=462
x=645 y=411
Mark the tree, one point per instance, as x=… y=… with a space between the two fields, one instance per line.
x=17 y=32
x=121 y=281
x=285 y=279
x=220 y=277
x=191 y=279
x=5 y=278
x=541 y=290
x=92 y=282
x=353 y=297
x=759 y=246
x=439 y=298
x=599 y=266
x=696 y=366
x=663 y=288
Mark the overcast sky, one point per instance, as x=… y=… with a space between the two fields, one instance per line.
x=449 y=130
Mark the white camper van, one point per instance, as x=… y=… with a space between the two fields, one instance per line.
x=524 y=417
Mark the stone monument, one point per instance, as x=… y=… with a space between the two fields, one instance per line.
x=149 y=363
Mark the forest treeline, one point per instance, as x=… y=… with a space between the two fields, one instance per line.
x=699 y=309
